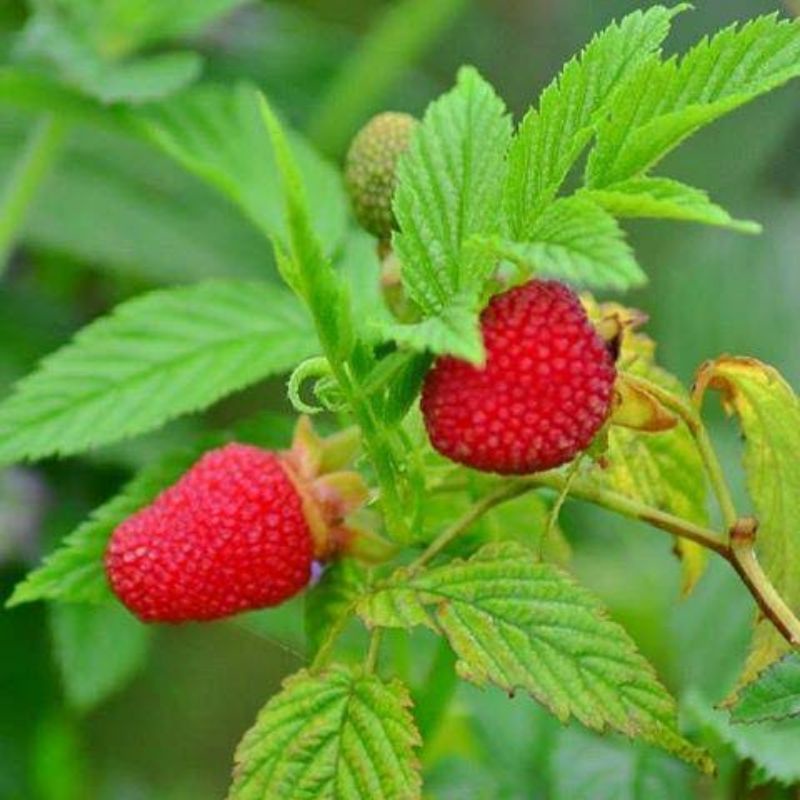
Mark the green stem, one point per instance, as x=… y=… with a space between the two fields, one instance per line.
x=379 y=454
x=376 y=449
x=555 y=512
x=633 y=509
x=691 y=416
x=334 y=632
x=716 y=475
x=744 y=561
x=500 y=495
x=740 y=552
x=371 y=661
x=25 y=178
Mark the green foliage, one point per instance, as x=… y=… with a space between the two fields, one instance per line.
x=588 y=767
x=342 y=734
x=97 y=649
x=134 y=80
x=769 y=414
x=332 y=600
x=32 y=90
x=474 y=201
x=576 y=240
x=400 y=35
x=58 y=768
x=301 y=260
x=219 y=135
x=453 y=330
x=124 y=26
x=775 y=694
x=523 y=625
x=94 y=45
x=310 y=274
x=74 y=572
x=664 y=469
x=551 y=137
x=159 y=223
x=771 y=746
x=359 y=267
x=449 y=190
x=669 y=100
x=193 y=346
x=665 y=199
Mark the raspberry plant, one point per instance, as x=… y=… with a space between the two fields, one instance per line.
x=481 y=206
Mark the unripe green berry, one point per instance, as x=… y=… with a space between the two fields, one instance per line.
x=370 y=169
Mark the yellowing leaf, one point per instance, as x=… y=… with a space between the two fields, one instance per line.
x=769 y=413
x=661 y=469
x=638 y=409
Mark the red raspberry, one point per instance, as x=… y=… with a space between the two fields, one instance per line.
x=229 y=536
x=541 y=397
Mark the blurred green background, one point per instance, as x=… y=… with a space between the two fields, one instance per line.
x=115 y=218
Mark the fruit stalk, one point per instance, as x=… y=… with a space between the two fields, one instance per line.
x=739 y=552
x=694 y=423
x=744 y=561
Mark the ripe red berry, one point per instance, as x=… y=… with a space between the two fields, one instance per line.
x=544 y=392
x=229 y=536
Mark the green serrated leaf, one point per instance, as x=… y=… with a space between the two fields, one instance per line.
x=668 y=101
x=585 y=766
x=550 y=138
x=338 y=735
x=301 y=259
x=772 y=747
x=159 y=223
x=97 y=649
x=454 y=331
x=449 y=188
x=575 y=240
x=662 y=198
x=524 y=625
x=775 y=694
x=74 y=572
x=155 y=357
x=219 y=135
x=116 y=28
x=769 y=414
x=134 y=79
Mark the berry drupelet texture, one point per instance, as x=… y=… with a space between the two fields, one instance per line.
x=370 y=169
x=543 y=394
x=231 y=535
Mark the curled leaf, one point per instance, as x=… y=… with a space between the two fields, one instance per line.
x=769 y=413
x=636 y=408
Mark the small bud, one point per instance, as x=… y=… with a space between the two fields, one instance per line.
x=370 y=169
